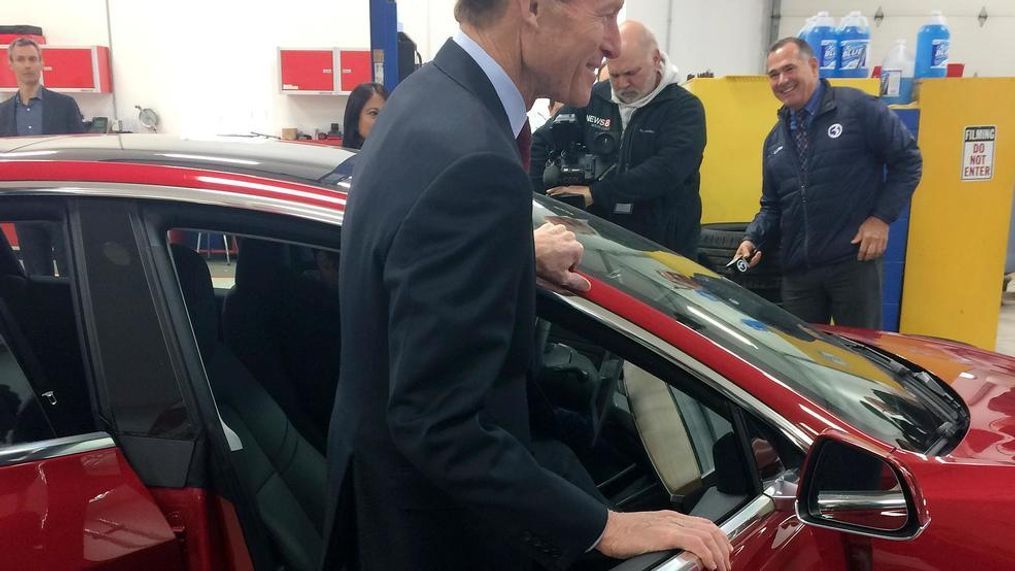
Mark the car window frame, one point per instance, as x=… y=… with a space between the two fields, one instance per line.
x=21 y=202
x=649 y=353
x=171 y=461
x=157 y=218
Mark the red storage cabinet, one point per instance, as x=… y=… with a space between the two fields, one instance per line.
x=7 y=79
x=80 y=69
x=76 y=68
x=307 y=70
x=356 y=69
x=323 y=71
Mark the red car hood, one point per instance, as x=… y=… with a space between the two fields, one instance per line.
x=984 y=380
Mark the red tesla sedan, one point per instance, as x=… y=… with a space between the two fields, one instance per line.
x=169 y=352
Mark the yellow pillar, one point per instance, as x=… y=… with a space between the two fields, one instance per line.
x=958 y=229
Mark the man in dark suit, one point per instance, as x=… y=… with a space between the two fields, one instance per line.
x=35 y=110
x=429 y=445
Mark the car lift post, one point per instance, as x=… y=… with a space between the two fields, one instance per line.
x=384 y=42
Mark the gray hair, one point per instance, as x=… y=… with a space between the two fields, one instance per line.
x=805 y=49
x=22 y=42
x=479 y=13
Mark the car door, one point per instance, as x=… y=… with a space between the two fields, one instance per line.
x=69 y=496
x=268 y=361
x=717 y=453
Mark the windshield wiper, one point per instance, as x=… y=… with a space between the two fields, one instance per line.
x=920 y=379
x=949 y=408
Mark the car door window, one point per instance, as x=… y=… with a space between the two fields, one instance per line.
x=40 y=245
x=219 y=251
x=21 y=416
x=271 y=357
x=40 y=325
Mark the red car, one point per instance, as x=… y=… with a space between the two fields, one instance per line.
x=169 y=326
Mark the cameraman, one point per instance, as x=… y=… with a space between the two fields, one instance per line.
x=653 y=187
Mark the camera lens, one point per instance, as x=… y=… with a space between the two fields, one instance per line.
x=604 y=144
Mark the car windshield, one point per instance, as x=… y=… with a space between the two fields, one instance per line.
x=819 y=366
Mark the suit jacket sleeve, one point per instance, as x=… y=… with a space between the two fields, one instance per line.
x=896 y=147
x=451 y=320
x=679 y=146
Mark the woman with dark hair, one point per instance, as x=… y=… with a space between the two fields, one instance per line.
x=365 y=103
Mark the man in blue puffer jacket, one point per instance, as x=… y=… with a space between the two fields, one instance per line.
x=838 y=168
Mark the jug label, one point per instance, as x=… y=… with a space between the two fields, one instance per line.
x=891 y=82
x=827 y=57
x=939 y=54
x=854 y=54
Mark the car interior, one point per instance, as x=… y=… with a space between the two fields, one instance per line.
x=644 y=444
x=270 y=342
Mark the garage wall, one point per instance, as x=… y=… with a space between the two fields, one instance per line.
x=211 y=66
x=728 y=37
x=428 y=22
x=205 y=66
x=987 y=51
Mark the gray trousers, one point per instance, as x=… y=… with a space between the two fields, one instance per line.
x=848 y=293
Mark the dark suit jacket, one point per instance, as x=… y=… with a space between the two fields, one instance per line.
x=437 y=284
x=60 y=115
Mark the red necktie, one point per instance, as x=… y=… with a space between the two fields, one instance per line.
x=524 y=141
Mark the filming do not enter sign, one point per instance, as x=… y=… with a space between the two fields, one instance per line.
x=978 y=152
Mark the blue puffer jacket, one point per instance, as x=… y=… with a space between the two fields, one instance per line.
x=863 y=162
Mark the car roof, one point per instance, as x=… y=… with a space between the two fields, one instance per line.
x=320 y=165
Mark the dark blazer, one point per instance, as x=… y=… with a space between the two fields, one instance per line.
x=429 y=434
x=60 y=115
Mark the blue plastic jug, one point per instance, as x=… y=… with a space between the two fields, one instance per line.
x=932 y=44
x=823 y=38
x=854 y=43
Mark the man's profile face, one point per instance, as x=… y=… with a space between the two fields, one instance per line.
x=792 y=77
x=635 y=73
x=26 y=63
x=572 y=39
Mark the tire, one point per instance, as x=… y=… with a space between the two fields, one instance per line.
x=726 y=235
x=717 y=246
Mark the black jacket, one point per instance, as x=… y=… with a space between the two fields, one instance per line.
x=657 y=165
x=60 y=115
x=854 y=141
x=437 y=282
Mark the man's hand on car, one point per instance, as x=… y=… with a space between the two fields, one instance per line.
x=583 y=191
x=557 y=254
x=630 y=534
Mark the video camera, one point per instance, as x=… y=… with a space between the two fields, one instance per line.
x=571 y=162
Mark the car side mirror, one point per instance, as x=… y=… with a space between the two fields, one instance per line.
x=848 y=487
